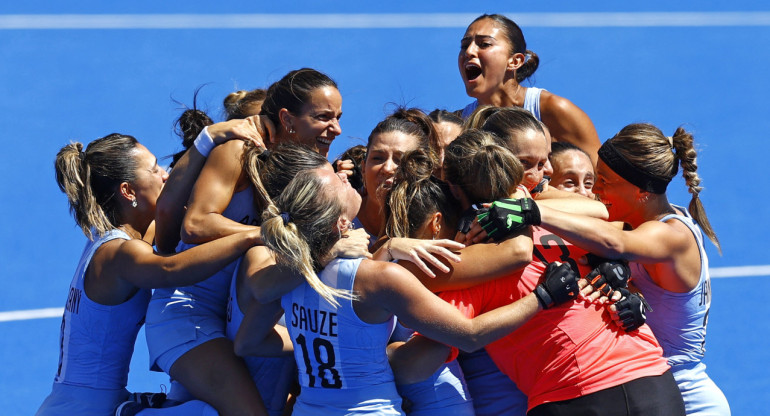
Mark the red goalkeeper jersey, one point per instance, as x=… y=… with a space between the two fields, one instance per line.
x=567 y=351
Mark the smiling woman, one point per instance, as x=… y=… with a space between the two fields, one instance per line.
x=664 y=243
x=400 y=132
x=307 y=105
x=303 y=107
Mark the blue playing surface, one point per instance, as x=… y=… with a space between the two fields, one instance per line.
x=60 y=81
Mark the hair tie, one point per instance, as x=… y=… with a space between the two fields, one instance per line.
x=286 y=218
x=82 y=155
x=264 y=155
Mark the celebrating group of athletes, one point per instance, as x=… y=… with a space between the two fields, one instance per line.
x=496 y=260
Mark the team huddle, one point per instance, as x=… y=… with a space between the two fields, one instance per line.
x=494 y=260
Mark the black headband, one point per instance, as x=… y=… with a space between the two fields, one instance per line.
x=638 y=177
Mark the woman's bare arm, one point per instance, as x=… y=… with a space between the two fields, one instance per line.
x=568 y=123
x=220 y=179
x=120 y=266
x=392 y=288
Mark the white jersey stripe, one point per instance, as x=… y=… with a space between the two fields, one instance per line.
x=375 y=21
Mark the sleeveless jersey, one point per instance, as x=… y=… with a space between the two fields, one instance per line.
x=212 y=293
x=678 y=320
x=339 y=357
x=97 y=341
x=566 y=351
x=444 y=392
x=493 y=393
x=272 y=375
x=531 y=103
x=179 y=319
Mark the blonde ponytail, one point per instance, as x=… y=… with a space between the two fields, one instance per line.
x=301 y=227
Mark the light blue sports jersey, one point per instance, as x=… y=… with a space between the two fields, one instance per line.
x=179 y=319
x=272 y=375
x=441 y=394
x=96 y=345
x=212 y=293
x=97 y=341
x=341 y=360
x=678 y=321
x=531 y=103
x=493 y=393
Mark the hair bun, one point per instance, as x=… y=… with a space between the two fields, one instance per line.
x=416 y=165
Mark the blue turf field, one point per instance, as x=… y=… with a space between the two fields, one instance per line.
x=60 y=81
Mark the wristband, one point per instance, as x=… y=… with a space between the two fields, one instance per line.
x=543 y=297
x=204 y=143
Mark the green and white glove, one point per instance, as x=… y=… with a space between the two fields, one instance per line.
x=507 y=216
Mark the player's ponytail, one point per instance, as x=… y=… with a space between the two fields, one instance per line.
x=682 y=142
x=91 y=178
x=529 y=67
x=416 y=194
x=189 y=124
x=482 y=167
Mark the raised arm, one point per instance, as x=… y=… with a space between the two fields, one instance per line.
x=171 y=204
x=170 y=208
x=568 y=123
x=221 y=177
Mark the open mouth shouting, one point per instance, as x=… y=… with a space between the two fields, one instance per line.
x=472 y=71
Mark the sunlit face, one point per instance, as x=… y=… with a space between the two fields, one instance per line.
x=548 y=169
x=149 y=181
x=318 y=123
x=619 y=196
x=532 y=151
x=485 y=59
x=447 y=132
x=339 y=186
x=573 y=172
x=383 y=157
